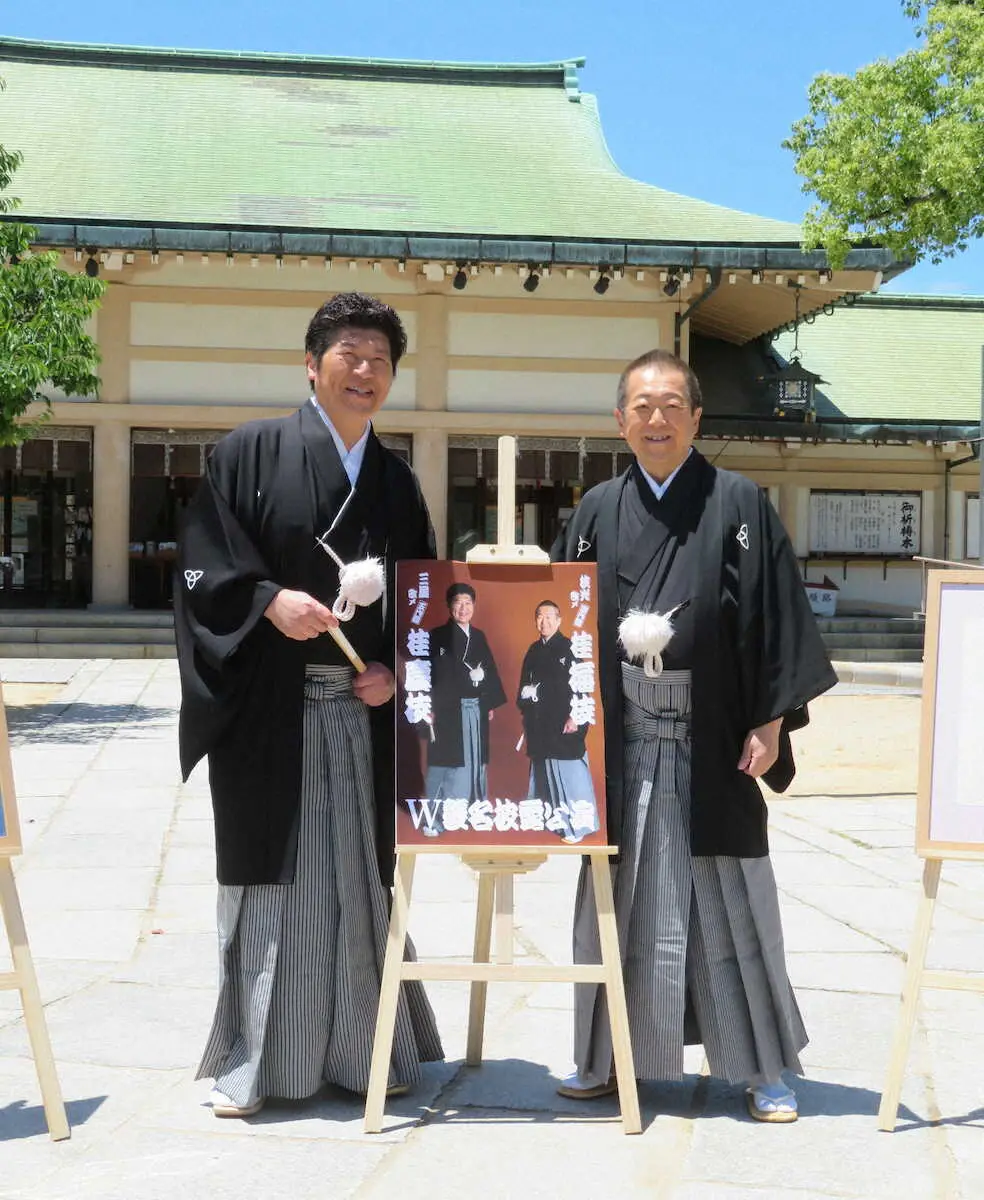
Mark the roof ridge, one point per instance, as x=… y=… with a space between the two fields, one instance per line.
x=562 y=73
x=925 y=300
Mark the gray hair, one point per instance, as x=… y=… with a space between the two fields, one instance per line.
x=666 y=362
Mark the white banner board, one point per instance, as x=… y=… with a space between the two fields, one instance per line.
x=950 y=822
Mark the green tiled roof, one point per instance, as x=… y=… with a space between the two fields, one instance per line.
x=895 y=357
x=289 y=142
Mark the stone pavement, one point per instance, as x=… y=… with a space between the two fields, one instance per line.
x=117 y=887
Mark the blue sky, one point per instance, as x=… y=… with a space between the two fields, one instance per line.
x=695 y=96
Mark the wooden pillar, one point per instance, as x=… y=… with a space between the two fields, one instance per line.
x=430 y=446
x=113 y=336
x=794 y=512
x=110 y=514
x=430 y=461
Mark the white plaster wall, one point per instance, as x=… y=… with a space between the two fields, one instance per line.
x=527 y=335
x=229 y=326
x=236 y=383
x=899 y=594
x=536 y=391
x=292 y=277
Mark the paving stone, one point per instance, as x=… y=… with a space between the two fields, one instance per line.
x=119 y=848
x=124 y=1025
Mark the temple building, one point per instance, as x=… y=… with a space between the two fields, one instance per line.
x=223 y=196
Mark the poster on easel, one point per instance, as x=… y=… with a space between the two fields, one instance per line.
x=499 y=733
x=950 y=813
x=10 y=838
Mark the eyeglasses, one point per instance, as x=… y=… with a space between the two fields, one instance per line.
x=671 y=409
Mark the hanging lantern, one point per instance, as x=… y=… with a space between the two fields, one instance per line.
x=793 y=387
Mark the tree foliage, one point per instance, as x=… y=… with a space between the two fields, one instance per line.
x=43 y=311
x=894 y=154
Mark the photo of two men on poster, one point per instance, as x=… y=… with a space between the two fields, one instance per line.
x=499 y=732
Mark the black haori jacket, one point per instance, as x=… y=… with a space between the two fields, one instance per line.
x=451 y=683
x=755 y=651
x=547 y=665
x=269 y=489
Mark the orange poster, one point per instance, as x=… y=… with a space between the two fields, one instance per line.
x=499 y=725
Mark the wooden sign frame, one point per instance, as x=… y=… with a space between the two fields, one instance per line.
x=497 y=867
x=23 y=977
x=938 y=801
x=10 y=834
x=946 y=667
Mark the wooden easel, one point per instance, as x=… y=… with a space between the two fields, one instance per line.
x=932 y=843
x=497 y=868
x=23 y=976
x=917 y=978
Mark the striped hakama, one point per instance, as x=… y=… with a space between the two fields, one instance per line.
x=701 y=937
x=566 y=785
x=468 y=781
x=301 y=963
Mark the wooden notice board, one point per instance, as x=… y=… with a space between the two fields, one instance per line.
x=10 y=839
x=950 y=813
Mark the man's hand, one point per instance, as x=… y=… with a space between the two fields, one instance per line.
x=375 y=685
x=569 y=726
x=761 y=749
x=299 y=616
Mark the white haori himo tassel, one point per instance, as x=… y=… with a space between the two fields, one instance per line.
x=360 y=583
x=645 y=636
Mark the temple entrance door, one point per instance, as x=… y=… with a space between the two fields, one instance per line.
x=46 y=524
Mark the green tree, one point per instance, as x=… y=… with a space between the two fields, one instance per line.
x=895 y=153
x=43 y=311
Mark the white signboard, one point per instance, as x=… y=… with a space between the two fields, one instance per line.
x=950 y=820
x=865 y=523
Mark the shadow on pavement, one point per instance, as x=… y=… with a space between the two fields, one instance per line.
x=77 y=722
x=20 y=1120
x=974 y=1119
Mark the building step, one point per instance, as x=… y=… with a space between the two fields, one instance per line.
x=53 y=618
x=85 y=635
x=84 y=650
x=854 y=654
x=870 y=625
x=872 y=641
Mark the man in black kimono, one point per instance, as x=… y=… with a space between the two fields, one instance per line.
x=696 y=899
x=301 y=756
x=465 y=691
x=559 y=771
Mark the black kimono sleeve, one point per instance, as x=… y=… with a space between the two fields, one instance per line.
x=491 y=693
x=222 y=589
x=793 y=667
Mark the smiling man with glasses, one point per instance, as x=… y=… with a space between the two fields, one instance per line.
x=696 y=553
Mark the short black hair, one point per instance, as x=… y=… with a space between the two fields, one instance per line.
x=665 y=361
x=354 y=310
x=547 y=604
x=459 y=589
